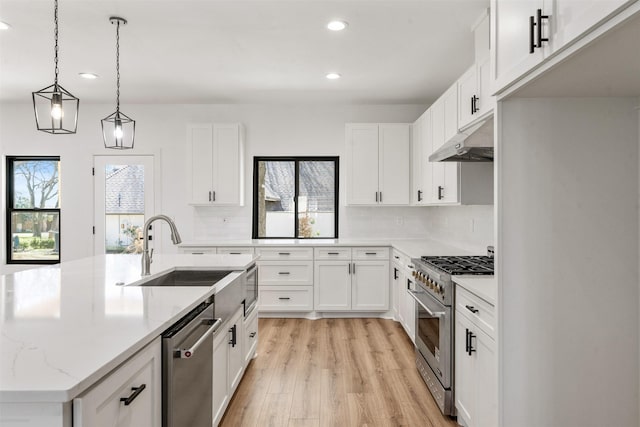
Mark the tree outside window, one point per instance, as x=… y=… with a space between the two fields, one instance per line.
x=33 y=210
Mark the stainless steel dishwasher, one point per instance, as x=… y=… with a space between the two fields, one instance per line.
x=187 y=369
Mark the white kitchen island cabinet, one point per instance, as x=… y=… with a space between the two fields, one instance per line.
x=128 y=397
x=378 y=163
x=215 y=164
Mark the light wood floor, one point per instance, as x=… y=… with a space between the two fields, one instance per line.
x=333 y=372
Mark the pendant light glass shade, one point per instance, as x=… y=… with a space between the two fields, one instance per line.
x=118 y=129
x=55 y=108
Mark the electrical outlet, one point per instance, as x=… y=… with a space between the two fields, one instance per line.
x=399 y=220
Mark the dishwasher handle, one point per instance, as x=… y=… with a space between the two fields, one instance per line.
x=189 y=352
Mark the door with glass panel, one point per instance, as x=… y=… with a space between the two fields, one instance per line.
x=123 y=191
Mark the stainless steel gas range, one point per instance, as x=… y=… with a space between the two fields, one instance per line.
x=435 y=307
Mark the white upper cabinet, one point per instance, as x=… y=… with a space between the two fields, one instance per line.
x=215 y=166
x=421 y=168
x=475 y=100
x=378 y=163
x=526 y=32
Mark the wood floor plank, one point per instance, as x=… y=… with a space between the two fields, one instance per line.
x=333 y=372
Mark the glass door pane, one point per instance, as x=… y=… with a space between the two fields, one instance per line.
x=124 y=198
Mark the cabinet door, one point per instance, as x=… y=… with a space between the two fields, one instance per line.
x=250 y=336
x=465 y=371
x=396 y=284
x=467 y=89
x=437 y=125
x=572 y=18
x=486 y=391
x=394 y=163
x=370 y=285
x=200 y=156
x=510 y=32
x=486 y=102
x=102 y=405
x=402 y=301
x=451 y=182
x=236 y=354
x=332 y=285
x=227 y=165
x=417 y=152
x=450 y=99
x=220 y=375
x=362 y=164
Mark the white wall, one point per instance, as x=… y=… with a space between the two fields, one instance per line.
x=567 y=262
x=467 y=227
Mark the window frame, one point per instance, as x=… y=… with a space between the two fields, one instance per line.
x=296 y=160
x=10 y=160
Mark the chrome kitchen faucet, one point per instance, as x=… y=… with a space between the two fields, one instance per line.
x=147 y=255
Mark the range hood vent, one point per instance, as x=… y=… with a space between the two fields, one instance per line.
x=473 y=145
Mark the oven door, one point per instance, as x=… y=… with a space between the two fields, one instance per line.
x=433 y=334
x=251 y=293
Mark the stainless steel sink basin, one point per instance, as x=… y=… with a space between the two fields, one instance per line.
x=187 y=278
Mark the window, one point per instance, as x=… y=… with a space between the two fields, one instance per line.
x=33 y=210
x=295 y=197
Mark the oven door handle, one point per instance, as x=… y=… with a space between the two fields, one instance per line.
x=188 y=352
x=431 y=313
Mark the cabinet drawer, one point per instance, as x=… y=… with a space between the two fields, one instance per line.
x=332 y=254
x=477 y=310
x=286 y=298
x=101 y=405
x=284 y=253
x=400 y=258
x=198 y=251
x=285 y=273
x=235 y=251
x=370 y=253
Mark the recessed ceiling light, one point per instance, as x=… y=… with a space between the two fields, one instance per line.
x=4 y=26
x=88 y=76
x=337 y=25
x=333 y=76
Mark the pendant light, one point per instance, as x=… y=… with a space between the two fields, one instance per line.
x=118 y=129
x=56 y=109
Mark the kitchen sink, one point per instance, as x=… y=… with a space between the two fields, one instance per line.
x=187 y=278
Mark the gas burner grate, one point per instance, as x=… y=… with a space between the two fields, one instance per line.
x=461 y=264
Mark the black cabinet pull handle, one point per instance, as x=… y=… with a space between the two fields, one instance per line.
x=209 y=195
x=532 y=32
x=540 y=17
x=376 y=197
x=284 y=253
x=471 y=349
x=214 y=196
x=472 y=309
x=284 y=298
x=349 y=267
x=284 y=273
x=474 y=104
x=409 y=284
x=136 y=391
x=235 y=253
x=396 y=257
x=197 y=253
x=466 y=341
x=354 y=268
x=440 y=192
x=233 y=336
x=252 y=334
x=381 y=197
x=333 y=253
x=419 y=195
x=472 y=107
x=371 y=253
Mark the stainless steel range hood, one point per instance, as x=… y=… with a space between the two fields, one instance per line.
x=473 y=145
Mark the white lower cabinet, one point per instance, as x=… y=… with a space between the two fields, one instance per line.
x=128 y=397
x=228 y=363
x=407 y=307
x=250 y=336
x=358 y=281
x=475 y=366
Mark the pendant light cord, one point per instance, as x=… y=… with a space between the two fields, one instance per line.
x=117 y=66
x=55 y=20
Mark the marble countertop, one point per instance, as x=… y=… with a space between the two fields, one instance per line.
x=63 y=327
x=414 y=248
x=486 y=287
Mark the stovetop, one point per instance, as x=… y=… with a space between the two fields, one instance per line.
x=455 y=265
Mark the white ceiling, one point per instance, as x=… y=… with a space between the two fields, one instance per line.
x=240 y=51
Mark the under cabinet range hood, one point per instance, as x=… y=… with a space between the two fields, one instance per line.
x=473 y=145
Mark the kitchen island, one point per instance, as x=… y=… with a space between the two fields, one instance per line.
x=65 y=327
